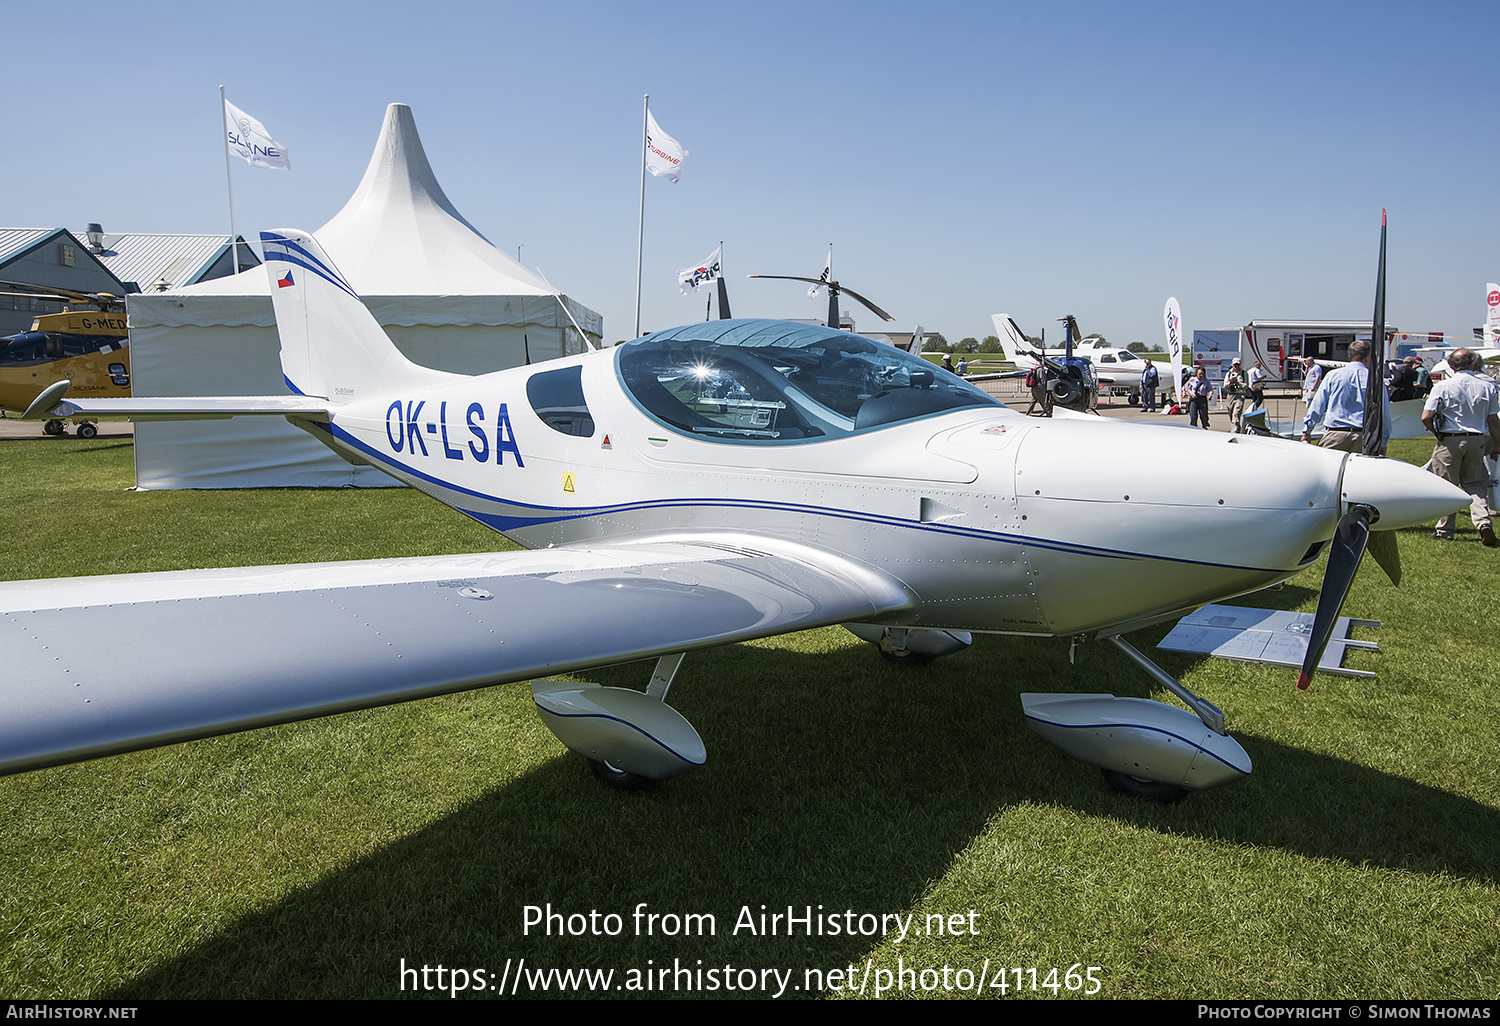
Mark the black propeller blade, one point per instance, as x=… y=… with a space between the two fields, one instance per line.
x=1344 y=554
x=724 y=313
x=834 y=288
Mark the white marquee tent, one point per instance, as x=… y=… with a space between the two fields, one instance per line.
x=446 y=296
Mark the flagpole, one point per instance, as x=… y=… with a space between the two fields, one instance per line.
x=224 y=139
x=640 y=232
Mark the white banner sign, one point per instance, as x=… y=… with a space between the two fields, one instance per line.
x=1172 y=316
x=1492 y=314
x=249 y=140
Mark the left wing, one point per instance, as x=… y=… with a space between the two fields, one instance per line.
x=101 y=665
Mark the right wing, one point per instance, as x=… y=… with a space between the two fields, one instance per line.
x=100 y=665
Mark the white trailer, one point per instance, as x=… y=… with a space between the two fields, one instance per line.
x=1280 y=344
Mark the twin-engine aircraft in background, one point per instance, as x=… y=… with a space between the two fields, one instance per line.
x=709 y=484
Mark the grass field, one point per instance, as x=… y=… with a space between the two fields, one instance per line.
x=1361 y=860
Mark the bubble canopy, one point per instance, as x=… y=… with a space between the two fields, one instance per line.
x=777 y=382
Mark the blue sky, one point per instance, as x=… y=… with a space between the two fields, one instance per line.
x=962 y=158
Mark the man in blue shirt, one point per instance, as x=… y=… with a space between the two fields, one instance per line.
x=1339 y=405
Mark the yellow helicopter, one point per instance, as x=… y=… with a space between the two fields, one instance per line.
x=87 y=346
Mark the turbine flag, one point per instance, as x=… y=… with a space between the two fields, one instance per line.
x=664 y=155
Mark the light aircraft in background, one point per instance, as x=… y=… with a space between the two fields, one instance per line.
x=715 y=483
x=85 y=344
x=1115 y=367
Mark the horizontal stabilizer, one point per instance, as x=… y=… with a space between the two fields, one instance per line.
x=183 y=407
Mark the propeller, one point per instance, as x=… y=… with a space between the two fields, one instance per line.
x=1352 y=536
x=1344 y=553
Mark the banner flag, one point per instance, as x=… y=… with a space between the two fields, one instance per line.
x=1172 y=316
x=664 y=155
x=689 y=279
x=812 y=293
x=249 y=140
x=1492 y=314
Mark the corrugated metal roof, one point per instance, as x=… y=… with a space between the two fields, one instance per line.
x=148 y=259
x=16 y=240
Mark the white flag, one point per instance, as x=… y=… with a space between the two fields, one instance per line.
x=812 y=293
x=249 y=140
x=706 y=273
x=1172 y=318
x=664 y=155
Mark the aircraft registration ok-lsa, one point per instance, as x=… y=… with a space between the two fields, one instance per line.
x=704 y=485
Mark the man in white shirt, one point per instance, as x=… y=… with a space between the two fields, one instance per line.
x=1258 y=385
x=1312 y=373
x=1463 y=411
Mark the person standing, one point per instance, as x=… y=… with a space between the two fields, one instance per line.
x=1312 y=374
x=963 y=366
x=1424 y=380
x=1150 y=378
x=1404 y=382
x=1198 y=390
x=1463 y=412
x=1339 y=405
x=1258 y=385
x=1234 y=397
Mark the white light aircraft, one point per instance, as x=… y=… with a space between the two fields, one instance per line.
x=724 y=481
x=1116 y=367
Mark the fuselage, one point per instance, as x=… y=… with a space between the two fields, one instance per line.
x=998 y=522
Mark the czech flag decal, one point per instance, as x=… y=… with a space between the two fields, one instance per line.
x=285 y=280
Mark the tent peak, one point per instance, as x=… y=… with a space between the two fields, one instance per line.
x=398 y=174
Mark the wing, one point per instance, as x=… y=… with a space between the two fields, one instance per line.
x=100 y=665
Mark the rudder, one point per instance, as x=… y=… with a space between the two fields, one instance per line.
x=331 y=345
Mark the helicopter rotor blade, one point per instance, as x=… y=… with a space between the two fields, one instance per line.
x=874 y=309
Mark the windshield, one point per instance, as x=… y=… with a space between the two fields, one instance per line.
x=776 y=382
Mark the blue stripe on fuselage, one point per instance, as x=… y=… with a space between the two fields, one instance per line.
x=502 y=523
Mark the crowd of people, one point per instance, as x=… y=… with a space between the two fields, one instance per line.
x=1461 y=411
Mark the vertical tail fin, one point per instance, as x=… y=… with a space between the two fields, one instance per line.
x=1013 y=344
x=331 y=345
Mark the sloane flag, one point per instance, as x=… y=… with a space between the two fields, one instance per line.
x=664 y=155
x=249 y=140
